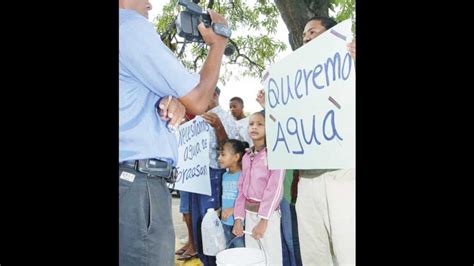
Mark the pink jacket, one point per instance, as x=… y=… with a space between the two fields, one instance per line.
x=258 y=183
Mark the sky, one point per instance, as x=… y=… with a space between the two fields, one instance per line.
x=243 y=87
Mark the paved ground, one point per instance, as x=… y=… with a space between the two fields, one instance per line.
x=181 y=232
x=179 y=226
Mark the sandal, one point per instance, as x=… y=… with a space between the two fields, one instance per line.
x=181 y=251
x=186 y=256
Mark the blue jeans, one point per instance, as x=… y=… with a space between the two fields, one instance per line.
x=237 y=243
x=199 y=205
x=146 y=233
x=289 y=234
x=184 y=202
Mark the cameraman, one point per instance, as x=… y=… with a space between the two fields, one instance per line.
x=150 y=75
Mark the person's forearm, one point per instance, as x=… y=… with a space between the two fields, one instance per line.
x=221 y=135
x=197 y=100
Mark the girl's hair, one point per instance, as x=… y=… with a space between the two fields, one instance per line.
x=262 y=113
x=237 y=146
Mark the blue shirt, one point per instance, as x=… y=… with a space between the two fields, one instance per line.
x=229 y=193
x=148 y=71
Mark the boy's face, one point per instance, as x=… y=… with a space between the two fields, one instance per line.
x=257 y=127
x=236 y=108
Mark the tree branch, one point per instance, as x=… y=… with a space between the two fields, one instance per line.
x=261 y=68
x=239 y=54
x=195 y=62
x=182 y=50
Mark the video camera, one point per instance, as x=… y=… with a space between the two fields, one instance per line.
x=188 y=20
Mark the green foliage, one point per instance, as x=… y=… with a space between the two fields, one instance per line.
x=344 y=9
x=253 y=25
x=166 y=17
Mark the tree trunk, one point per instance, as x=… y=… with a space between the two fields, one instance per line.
x=296 y=13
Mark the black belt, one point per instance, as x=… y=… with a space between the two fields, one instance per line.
x=153 y=168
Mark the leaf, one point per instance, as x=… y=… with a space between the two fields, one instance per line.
x=254 y=25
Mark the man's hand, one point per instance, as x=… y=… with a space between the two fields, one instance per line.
x=259 y=230
x=208 y=35
x=226 y=213
x=238 y=229
x=351 y=47
x=197 y=100
x=212 y=119
x=261 y=98
x=172 y=110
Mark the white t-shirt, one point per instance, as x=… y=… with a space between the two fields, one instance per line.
x=231 y=129
x=243 y=133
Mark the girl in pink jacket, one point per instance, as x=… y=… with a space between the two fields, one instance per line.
x=260 y=193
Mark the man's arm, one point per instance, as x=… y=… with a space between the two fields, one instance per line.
x=215 y=122
x=221 y=134
x=197 y=99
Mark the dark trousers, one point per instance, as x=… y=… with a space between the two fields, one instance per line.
x=289 y=234
x=146 y=232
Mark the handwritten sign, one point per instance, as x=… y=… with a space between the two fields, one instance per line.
x=193 y=157
x=310 y=105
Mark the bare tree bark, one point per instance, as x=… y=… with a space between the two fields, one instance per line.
x=296 y=13
x=211 y=4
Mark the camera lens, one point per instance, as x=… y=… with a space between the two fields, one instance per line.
x=229 y=50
